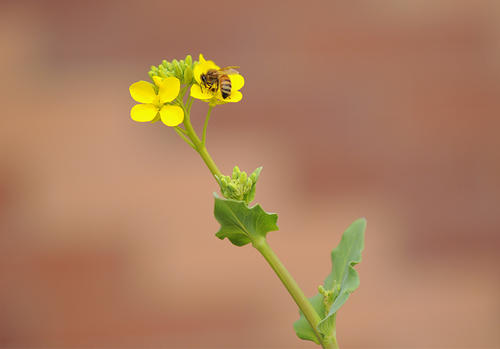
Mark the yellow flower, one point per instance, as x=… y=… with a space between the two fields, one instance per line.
x=155 y=104
x=200 y=92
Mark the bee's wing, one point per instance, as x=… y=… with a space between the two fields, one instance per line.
x=229 y=70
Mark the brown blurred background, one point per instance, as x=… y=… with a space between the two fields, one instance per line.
x=388 y=110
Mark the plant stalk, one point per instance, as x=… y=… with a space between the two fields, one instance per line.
x=205 y=126
x=292 y=287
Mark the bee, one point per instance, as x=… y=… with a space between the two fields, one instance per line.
x=215 y=79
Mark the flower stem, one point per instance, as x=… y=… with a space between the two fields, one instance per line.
x=199 y=146
x=202 y=150
x=182 y=133
x=333 y=344
x=292 y=287
x=204 y=138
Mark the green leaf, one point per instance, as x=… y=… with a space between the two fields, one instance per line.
x=302 y=326
x=338 y=285
x=241 y=224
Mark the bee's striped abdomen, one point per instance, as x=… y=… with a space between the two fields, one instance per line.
x=225 y=86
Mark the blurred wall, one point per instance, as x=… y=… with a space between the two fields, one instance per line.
x=388 y=110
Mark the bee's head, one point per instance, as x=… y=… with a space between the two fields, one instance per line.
x=203 y=78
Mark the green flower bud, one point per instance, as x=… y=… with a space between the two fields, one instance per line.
x=181 y=69
x=177 y=69
x=233 y=187
x=236 y=172
x=239 y=186
x=188 y=75
x=243 y=178
x=189 y=61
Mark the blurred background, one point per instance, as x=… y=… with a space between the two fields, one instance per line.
x=388 y=110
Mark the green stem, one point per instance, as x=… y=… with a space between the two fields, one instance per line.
x=204 y=138
x=198 y=145
x=292 y=287
x=333 y=344
x=181 y=129
x=209 y=161
x=182 y=133
x=189 y=103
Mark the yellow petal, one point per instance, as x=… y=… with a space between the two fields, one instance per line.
x=197 y=92
x=143 y=112
x=197 y=71
x=202 y=59
x=235 y=96
x=169 y=89
x=237 y=81
x=157 y=80
x=142 y=92
x=172 y=115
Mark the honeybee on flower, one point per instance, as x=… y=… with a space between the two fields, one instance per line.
x=216 y=85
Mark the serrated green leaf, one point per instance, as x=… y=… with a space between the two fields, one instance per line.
x=342 y=281
x=241 y=224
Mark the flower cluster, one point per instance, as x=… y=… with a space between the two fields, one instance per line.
x=182 y=70
x=239 y=186
x=163 y=99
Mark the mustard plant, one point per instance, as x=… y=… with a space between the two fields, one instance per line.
x=166 y=98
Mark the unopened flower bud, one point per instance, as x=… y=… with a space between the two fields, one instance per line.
x=189 y=60
x=236 y=172
x=177 y=69
x=188 y=75
x=243 y=177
